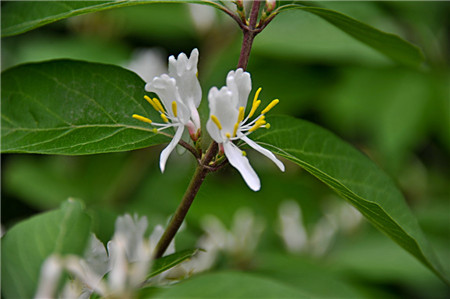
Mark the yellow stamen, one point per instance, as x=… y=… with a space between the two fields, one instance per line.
x=228 y=135
x=148 y=99
x=257 y=125
x=270 y=106
x=216 y=121
x=155 y=130
x=141 y=118
x=174 y=108
x=244 y=153
x=256 y=95
x=158 y=104
x=241 y=114
x=236 y=127
x=267 y=126
x=254 y=107
x=164 y=118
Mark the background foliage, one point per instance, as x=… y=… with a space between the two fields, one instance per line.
x=397 y=115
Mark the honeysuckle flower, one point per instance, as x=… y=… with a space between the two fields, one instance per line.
x=228 y=123
x=179 y=97
x=126 y=260
x=239 y=242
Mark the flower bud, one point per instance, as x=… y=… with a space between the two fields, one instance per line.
x=270 y=6
x=239 y=4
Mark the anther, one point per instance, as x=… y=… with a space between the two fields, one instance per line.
x=257 y=125
x=148 y=99
x=164 y=118
x=254 y=107
x=256 y=95
x=158 y=104
x=236 y=127
x=241 y=114
x=141 y=118
x=174 y=108
x=270 y=106
x=216 y=121
x=228 y=135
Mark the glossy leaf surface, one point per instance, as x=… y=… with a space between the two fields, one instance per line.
x=74 y=108
x=354 y=177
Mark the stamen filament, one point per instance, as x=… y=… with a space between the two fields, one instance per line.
x=164 y=118
x=270 y=106
x=174 y=108
x=148 y=99
x=141 y=118
x=216 y=121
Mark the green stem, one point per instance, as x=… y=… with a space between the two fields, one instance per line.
x=185 y=204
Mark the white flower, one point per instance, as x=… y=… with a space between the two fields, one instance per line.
x=227 y=123
x=180 y=94
x=127 y=263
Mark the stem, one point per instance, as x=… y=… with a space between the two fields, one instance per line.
x=203 y=167
x=177 y=219
x=249 y=36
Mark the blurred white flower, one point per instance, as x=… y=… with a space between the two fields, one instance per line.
x=227 y=123
x=203 y=16
x=239 y=242
x=291 y=228
x=148 y=63
x=127 y=263
x=338 y=218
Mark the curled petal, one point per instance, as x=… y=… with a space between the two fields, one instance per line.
x=184 y=71
x=263 y=151
x=240 y=84
x=166 y=152
x=240 y=162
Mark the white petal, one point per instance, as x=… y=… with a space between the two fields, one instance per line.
x=166 y=88
x=166 y=152
x=184 y=70
x=220 y=105
x=240 y=162
x=240 y=83
x=263 y=151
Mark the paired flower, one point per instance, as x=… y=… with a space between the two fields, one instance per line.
x=180 y=94
x=227 y=123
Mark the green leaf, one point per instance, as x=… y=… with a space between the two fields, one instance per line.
x=388 y=44
x=165 y=263
x=74 y=108
x=29 y=243
x=229 y=285
x=354 y=177
x=23 y=16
